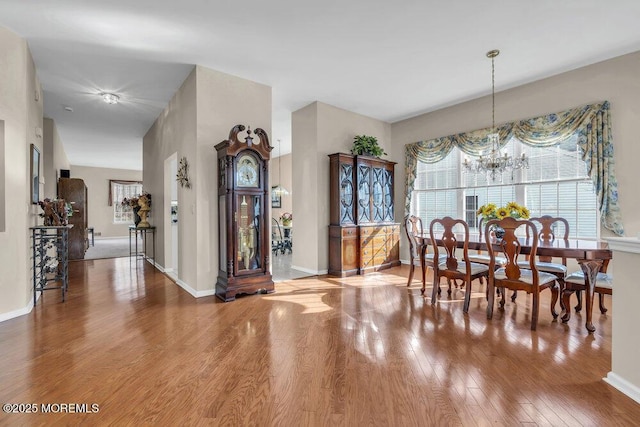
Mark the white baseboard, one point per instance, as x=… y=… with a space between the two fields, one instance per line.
x=623 y=385
x=19 y=312
x=196 y=294
x=307 y=270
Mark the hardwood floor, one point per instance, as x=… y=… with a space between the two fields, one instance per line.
x=336 y=352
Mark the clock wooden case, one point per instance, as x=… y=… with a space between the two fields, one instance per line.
x=243 y=197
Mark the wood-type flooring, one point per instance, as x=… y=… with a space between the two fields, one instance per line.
x=359 y=351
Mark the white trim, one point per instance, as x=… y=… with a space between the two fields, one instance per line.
x=623 y=385
x=307 y=270
x=171 y=275
x=19 y=312
x=110 y=237
x=624 y=244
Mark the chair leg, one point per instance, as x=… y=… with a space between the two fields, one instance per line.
x=560 y=283
x=436 y=290
x=535 y=309
x=514 y=295
x=566 y=299
x=603 y=309
x=554 y=298
x=490 y=298
x=503 y=294
x=467 y=296
x=578 y=306
x=411 y=270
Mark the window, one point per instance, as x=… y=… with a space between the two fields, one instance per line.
x=555 y=184
x=121 y=190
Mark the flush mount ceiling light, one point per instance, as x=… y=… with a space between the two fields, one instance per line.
x=110 y=98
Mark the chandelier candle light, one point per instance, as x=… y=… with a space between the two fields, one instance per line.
x=495 y=163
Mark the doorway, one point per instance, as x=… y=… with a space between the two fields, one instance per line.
x=171 y=218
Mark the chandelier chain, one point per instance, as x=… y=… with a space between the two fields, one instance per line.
x=495 y=163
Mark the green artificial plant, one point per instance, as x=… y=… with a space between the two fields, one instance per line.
x=367 y=145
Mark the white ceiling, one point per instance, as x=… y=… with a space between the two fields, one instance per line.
x=383 y=59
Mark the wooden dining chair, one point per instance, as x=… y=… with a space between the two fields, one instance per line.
x=575 y=282
x=547 y=234
x=480 y=256
x=445 y=241
x=277 y=241
x=413 y=230
x=512 y=276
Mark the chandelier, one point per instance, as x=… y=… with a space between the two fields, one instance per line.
x=279 y=189
x=495 y=163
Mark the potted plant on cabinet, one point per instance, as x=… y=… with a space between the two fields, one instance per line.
x=366 y=145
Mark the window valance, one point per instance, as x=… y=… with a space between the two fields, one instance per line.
x=591 y=123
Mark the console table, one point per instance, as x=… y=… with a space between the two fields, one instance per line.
x=50 y=246
x=143 y=232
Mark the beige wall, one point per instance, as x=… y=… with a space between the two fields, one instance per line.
x=174 y=131
x=615 y=80
x=99 y=213
x=199 y=116
x=319 y=130
x=55 y=158
x=21 y=113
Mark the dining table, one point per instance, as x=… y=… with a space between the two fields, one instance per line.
x=590 y=255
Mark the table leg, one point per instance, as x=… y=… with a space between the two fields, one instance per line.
x=423 y=265
x=590 y=268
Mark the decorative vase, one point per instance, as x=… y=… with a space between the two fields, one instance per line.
x=498 y=232
x=136 y=217
x=286 y=223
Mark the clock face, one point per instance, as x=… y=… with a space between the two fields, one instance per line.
x=247 y=171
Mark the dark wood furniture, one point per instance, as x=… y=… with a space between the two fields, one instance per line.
x=590 y=255
x=512 y=276
x=547 y=227
x=363 y=236
x=575 y=282
x=243 y=197
x=74 y=190
x=453 y=267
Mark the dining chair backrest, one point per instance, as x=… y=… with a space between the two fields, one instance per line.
x=413 y=228
x=448 y=239
x=510 y=247
x=548 y=232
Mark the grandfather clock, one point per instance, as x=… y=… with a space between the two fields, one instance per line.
x=243 y=197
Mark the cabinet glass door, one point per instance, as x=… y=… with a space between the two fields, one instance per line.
x=248 y=229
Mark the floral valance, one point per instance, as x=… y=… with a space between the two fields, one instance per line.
x=591 y=123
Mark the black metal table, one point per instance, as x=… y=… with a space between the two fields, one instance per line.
x=143 y=232
x=50 y=246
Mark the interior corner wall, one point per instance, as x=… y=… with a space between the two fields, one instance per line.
x=21 y=111
x=223 y=101
x=54 y=156
x=615 y=80
x=174 y=131
x=99 y=213
x=319 y=130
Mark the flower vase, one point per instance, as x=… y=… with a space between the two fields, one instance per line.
x=498 y=232
x=136 y=217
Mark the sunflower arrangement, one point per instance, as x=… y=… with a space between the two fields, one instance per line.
x=511 y=209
